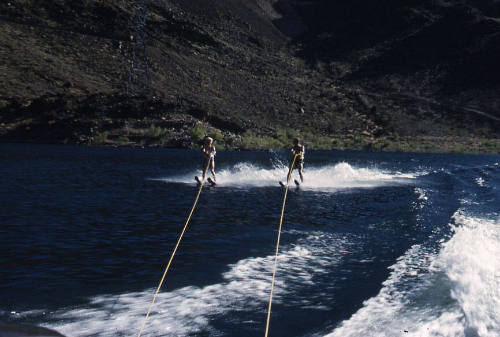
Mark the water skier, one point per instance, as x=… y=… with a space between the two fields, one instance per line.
x=298 y=150
x=209 y=152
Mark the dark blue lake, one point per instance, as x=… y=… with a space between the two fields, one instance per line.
x=373 y=244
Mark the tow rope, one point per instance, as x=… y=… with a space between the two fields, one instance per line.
x=278 y=244
x=173 y=253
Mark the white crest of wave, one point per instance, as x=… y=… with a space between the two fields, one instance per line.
x=450 y=292
x=189 y=310
x=341 y=175
x=471 y=262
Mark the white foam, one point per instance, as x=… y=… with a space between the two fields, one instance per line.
x=452 y=292
x=480 y=182
x=339 y=176
x=471 y=262
x=422 y=196
x=190 y=309
x=421 y=202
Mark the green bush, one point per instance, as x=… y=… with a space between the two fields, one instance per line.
x=355 y=143
x=198 y=132
x=123 y=139
x=101 y=138
x=320 y=143
x=491 y=146
x=250 y=141
x=161 y=135
x=157 y=132
x=217 y=136
x=286 y=135
x=460 y=148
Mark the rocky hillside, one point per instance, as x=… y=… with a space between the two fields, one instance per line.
x=394 y=75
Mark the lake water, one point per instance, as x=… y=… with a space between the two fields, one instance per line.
x=373 y=244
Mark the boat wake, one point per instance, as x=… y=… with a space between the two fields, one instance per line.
x=339 y=176
x=190 y=310
x=451 y=290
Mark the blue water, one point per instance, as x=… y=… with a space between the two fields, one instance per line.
x=373 y=244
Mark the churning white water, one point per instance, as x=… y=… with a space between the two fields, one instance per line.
x=190 y=309
x=338 y=176
x=450 y=291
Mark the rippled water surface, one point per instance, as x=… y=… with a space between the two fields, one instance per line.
x=373 y=244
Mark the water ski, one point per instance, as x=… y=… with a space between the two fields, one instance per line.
x=296 y=182
x=211 y=181
x=197 y=179
x=282 y=184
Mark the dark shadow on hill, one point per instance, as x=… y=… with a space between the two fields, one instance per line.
x=338 y=28
x=458 y=41
x=479 y=68
x=462 y=47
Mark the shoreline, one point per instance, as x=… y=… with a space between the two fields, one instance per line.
x=116 y=121
x=472 y=146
